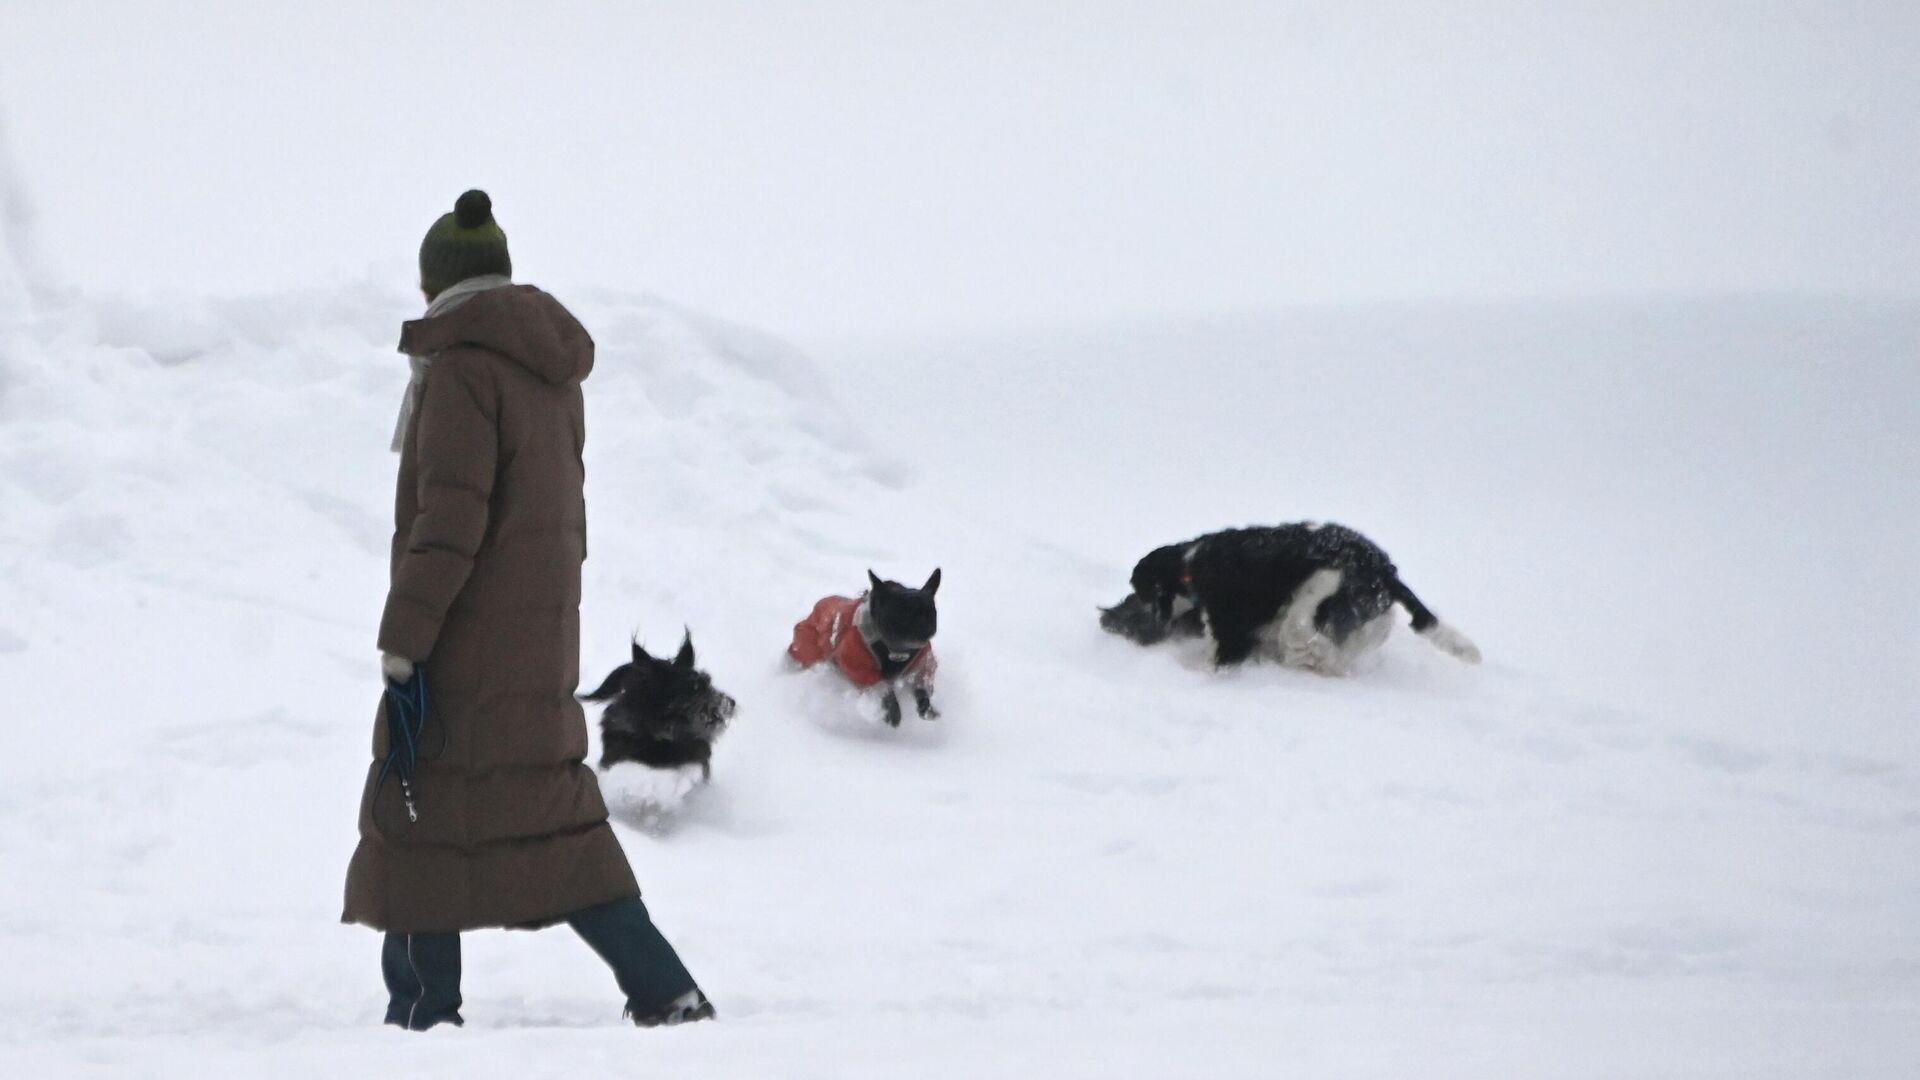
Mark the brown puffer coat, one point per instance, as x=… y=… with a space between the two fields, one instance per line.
x=489 y=533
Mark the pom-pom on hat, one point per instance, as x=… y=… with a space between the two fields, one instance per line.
x=466 y=243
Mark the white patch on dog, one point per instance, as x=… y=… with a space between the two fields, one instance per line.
x=647 y=798
x=1452 y=642
x=1294 y=640
x=1296 y=622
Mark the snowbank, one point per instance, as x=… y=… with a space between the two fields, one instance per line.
x=1102 y=862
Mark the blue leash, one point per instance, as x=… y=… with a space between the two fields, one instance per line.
x=406 y=718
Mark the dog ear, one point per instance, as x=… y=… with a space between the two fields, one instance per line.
x=685 y=657
x=933 y=583
x=639 y=652
x=875 y=580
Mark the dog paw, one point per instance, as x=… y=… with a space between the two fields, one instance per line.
x=1298 y=638
x=1326 y=656
x=1311 y=651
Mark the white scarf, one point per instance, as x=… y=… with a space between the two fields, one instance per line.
x=450 y=297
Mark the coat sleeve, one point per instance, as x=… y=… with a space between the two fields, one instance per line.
x=457 y=447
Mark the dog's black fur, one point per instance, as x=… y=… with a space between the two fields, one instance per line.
x=903 y=622
x=662 y=713
x=1235 y=584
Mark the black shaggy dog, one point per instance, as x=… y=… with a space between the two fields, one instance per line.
x=1316 y=596
x=662 y=713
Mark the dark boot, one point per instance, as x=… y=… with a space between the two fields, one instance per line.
x=688 y=1008
x=658 y=987
x=423 y=980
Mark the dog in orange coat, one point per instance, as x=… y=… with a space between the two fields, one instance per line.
x=883 y=637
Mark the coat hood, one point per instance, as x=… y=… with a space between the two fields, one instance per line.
x=518 y=322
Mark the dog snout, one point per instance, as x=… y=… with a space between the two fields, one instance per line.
x=718 y=710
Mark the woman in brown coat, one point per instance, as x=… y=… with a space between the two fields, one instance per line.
x=501 y=822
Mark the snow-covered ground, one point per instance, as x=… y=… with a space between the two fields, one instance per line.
x=1668 y=830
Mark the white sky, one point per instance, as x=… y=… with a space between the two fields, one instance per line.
x=873 y=167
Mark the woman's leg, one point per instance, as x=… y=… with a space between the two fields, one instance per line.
x=422 y=972
x=403 y=989
x=646 y=967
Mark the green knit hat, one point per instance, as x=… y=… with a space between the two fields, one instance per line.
x=466 y=243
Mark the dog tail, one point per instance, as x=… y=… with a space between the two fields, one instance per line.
x=1428 y=625
x=608 y=688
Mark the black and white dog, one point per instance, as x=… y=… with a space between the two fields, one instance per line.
x=661 y=713
x=1311 y=595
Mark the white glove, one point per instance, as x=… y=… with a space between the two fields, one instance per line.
x=397 y=669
